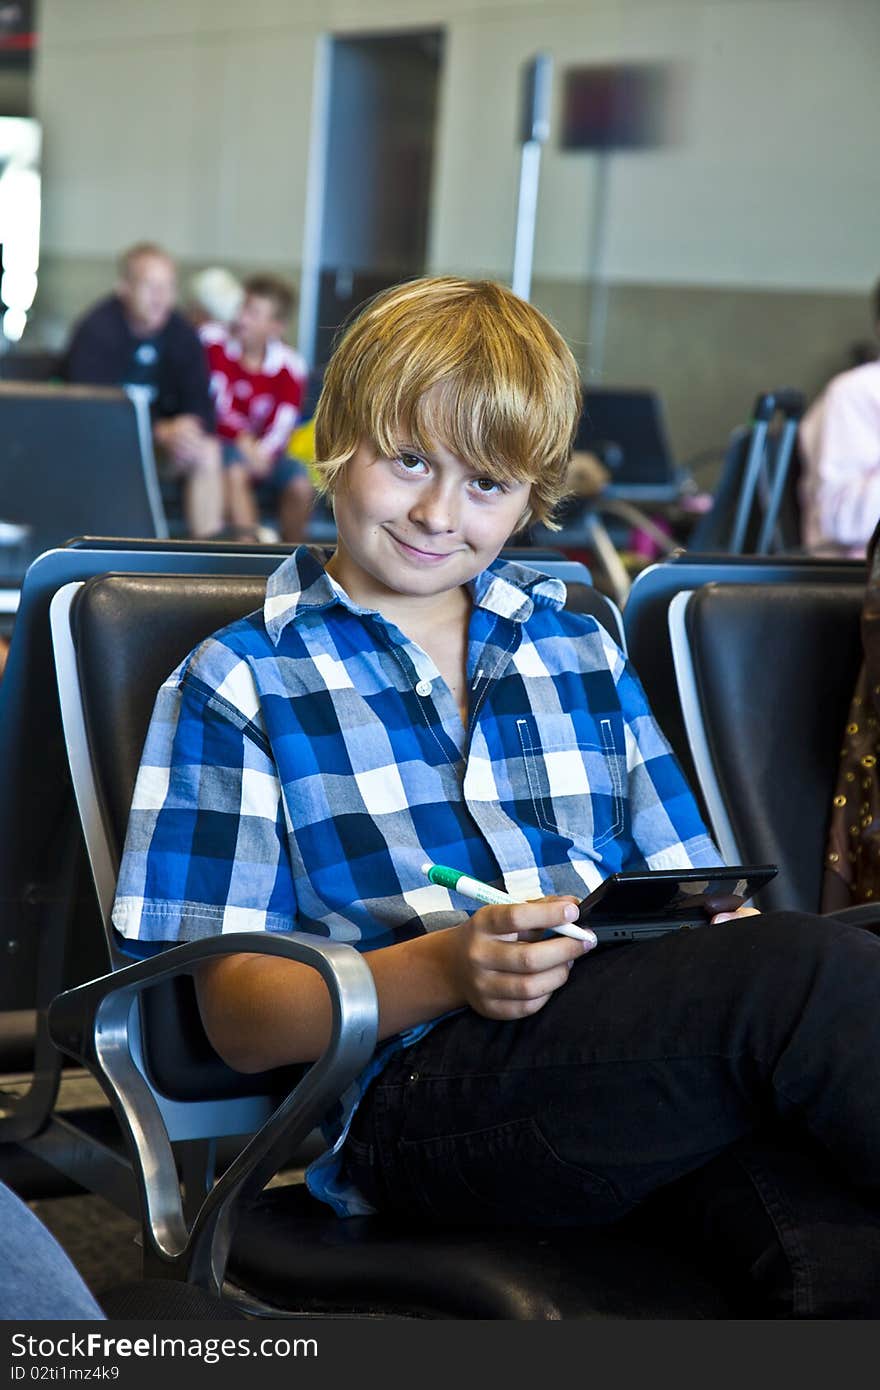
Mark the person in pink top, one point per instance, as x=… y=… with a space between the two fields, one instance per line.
x=839 y=440
x=258 y=383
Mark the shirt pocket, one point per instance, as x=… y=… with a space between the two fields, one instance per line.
x=576 y=788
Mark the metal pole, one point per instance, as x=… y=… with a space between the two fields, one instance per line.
x=596 y=272
x=535 y=127
x=526 y=214
x=310 y=275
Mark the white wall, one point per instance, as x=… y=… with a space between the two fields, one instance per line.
x=740 y=260
x=775 y=183
x=187 y=121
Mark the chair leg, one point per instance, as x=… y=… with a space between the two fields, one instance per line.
x=198 y=1172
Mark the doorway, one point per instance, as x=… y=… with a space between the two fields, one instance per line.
x=380 y=105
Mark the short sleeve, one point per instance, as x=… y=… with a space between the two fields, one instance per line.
x=206 y=847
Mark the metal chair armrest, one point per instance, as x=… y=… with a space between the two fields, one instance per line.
x=92 y=1022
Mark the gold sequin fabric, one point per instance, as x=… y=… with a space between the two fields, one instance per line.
x=852 y=851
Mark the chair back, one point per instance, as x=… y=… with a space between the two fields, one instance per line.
x=51 y=935
x=39 y=833
x=756 y=507
x=645 y=620
x=116 y=639
x=30 y=366
x=765 y=677
x=74 y=459
x=626 y=427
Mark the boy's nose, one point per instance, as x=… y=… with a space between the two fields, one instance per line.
x=436 y=509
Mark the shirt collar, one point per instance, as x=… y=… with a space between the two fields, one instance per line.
x=273 y=357
x=301 y=585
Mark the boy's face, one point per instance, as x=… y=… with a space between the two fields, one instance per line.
x=257 y=322
x=419 y=525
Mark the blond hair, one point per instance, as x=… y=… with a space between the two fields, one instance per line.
x=465 y=363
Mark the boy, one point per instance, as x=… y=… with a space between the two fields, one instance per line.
x=416 y=699
x=258 y=383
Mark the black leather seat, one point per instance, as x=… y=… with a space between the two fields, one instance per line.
x=766 y=675
x=756 y=507
x=280 y=1250
x=50 y=931
x=626 y=426
x=646 y=620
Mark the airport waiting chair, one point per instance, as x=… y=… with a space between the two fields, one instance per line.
x=76 y=458
x=50 y=933
x=50 y=929
x=756 y=508
x=275 y=1250
x=625 y=426
x=765 y=677
x=47 y=929
x=646 y=622
x=31 y=366
x=625 y=429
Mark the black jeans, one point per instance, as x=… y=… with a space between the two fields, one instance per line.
x=731 y=1072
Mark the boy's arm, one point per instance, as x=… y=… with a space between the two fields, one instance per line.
x=205 y=849
x=261 y=1012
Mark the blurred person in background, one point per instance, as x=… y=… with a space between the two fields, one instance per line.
x=258 y=382
x=214 y=297
x=136 y=337
x=839 y=440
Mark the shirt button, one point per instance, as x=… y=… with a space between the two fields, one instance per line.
x=423 y=688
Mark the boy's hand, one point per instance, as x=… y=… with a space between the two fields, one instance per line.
x=505 y=966
x=257 y=462
x=740 y=912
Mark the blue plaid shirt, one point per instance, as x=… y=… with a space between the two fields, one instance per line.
x=303 y=764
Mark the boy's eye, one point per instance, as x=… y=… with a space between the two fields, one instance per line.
x=488 y=486
x=411 y=463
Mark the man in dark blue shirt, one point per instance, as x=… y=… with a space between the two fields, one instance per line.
x=136 y=337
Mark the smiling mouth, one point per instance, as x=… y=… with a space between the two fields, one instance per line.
x=429 y=555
